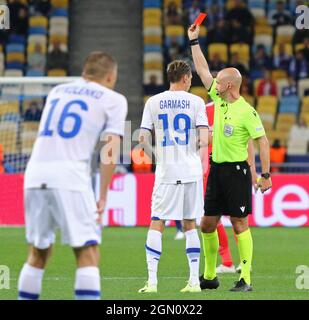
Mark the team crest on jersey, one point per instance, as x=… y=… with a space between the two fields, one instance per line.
x=228 y=130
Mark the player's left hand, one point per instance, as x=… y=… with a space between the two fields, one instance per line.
x=101 y=206
x=100 y=209
x=264 y=184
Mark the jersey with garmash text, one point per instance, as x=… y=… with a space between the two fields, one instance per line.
x=74 y=116
x=175 y=116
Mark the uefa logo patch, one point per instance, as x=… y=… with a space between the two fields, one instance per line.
x=228 y=130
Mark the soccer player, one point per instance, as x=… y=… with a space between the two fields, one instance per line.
x=57 y=183
x=176 y=116
x=230 y=182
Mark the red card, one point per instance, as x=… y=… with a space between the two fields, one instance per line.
x=199 y=20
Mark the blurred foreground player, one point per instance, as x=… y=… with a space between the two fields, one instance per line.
x=229 y=186
x=180 y=125
x=58 y=191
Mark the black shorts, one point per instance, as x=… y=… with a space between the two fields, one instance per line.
x=229 y=190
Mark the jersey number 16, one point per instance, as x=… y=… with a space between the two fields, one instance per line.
x=66 y=114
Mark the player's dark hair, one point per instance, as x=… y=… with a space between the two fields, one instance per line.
x=176 y=70
x=98 y=64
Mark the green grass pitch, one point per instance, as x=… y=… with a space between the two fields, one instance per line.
x=277 y=253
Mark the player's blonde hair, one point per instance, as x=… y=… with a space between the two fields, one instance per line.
x=98 y=64
x=177 y=69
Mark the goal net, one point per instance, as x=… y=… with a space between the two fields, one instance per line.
x=21 y=104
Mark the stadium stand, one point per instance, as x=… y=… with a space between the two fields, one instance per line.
x=273 y=44
x=37 y=45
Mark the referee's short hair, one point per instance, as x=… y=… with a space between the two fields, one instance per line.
x=98 y=64
x=177 y=69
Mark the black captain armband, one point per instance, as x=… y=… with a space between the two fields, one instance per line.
x=194 y=42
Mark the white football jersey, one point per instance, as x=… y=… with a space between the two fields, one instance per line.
x=175 y=115
x=74 y=116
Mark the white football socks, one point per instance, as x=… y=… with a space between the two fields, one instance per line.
x=30 y=283
x=88 y=284
x=153 y=254
x=193 y=249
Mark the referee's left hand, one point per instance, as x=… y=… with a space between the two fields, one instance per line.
x=264 y=184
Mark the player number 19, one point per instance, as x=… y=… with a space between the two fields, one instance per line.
x=177 y=121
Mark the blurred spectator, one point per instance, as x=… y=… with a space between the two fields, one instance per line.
x=173 y=51
x=141 y=163
x=153 y=87
x=300 y=35
x=57 y=59
x=216 y=64
x=15 y=6
x=261 y=60
x=33 y=113
x=305 y=51
x=238 y=65
x=215 y=14
x=298 y=67
x=267 y=86
x=290 y=89
x=277 y=156
x=246 y=86
x=173 y=14
x=219 y=33
x=282 y=59
x=240 y=13
x=238 y=34
x=37 y=60
x=280 y=16
x=21 y=26
x=39 y=7
x=194 y=11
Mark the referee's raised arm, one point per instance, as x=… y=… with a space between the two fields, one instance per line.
x=199 y=60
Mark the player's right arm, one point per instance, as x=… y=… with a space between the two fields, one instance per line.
x=199 y=60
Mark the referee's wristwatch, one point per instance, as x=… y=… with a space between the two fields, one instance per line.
x=265 y=175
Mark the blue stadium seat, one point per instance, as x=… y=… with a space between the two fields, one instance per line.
x=152 y=3
x=152 y=48
x=15 y=65
x=14 y=117
x=289 y=104
x=35 y=73
x=37 y=30
x=256 y=74
x=256 y=4
x=13 y=47
x=14 y=38
x=59 y=12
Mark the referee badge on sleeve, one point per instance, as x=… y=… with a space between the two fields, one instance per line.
x=228 y=130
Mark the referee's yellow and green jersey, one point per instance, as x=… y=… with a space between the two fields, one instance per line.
x=234 y=124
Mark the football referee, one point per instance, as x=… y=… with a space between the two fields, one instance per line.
x=229 y=186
